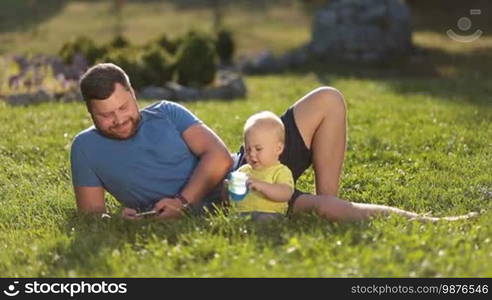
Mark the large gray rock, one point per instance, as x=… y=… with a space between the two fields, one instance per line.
x=263 y=63
x=230 y=85
x=267 y=63
x=362 y=30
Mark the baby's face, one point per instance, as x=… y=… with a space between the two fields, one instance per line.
x=263 y=148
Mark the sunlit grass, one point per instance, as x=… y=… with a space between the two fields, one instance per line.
x=417 y=140
x=417 y=152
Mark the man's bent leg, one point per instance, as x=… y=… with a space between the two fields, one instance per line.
x=321 y=119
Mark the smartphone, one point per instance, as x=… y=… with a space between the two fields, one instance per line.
x=146 y=213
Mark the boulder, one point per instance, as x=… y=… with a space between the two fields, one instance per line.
x=362 y=30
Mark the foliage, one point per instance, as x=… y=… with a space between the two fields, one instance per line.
x=168 y=44
x=119 y=42
x=154 y=63
x=196 y=60
x=81 y=45
x=30 y=74
x=158 y=66
x=129 y=60
x=225 y=46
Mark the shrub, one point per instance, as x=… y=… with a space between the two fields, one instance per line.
x=225 y=47
x=196 y=58
x=170 y=45
x=84 y=46
x=119 y=42
x=157 y=66
x=128 y=59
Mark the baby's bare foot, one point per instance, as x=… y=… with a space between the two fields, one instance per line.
x=427 y=218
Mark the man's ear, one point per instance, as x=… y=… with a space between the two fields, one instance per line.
x=88 y=106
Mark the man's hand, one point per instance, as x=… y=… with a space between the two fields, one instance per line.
x=130 y=214
x=169 y=208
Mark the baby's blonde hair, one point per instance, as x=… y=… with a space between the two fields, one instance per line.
x=267 y=120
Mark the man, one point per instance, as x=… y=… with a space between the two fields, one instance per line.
x=164 y=159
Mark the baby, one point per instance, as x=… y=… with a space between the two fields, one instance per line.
x=269 y=182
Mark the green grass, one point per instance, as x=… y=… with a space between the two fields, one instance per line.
x=420 y=138
x=417 y=152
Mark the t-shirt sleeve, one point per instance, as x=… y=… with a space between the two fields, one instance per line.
x=82 y=173
x=284 y=176
x=180 y=116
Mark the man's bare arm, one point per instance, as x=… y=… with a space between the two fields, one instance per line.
x=215 y=161
x=90 y=199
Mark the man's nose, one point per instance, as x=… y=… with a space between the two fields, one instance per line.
x=117 y=118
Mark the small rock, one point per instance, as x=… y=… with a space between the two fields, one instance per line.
x=264 y=63
x=183 y=93
x=154 y=92
x=40 y=95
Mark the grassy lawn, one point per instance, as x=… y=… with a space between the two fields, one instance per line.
x=418 y=152
x=420 y=138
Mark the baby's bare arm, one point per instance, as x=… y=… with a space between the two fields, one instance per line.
x=277 y=192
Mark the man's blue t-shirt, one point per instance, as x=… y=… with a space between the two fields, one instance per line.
x=139 y=171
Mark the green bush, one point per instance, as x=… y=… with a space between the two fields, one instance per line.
x=196 y=60
x=157 y=66
x=128 y=59
x=119 y=42
x=84 y=46
x=170 y=45
x=225 y=47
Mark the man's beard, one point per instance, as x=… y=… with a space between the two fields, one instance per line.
x=112 y=135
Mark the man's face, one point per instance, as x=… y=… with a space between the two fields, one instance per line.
x=116 y=117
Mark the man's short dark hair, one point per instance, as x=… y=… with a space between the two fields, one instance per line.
x=97 y=83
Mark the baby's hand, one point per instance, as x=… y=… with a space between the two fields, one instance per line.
x=254 y=184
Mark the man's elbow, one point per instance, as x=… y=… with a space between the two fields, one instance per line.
x=222 y=161
x=218 y=160
x=226 y=162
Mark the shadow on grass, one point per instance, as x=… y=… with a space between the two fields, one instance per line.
x=23 y=15
x=452 y=77
x=18 y=15
x=94 y=239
